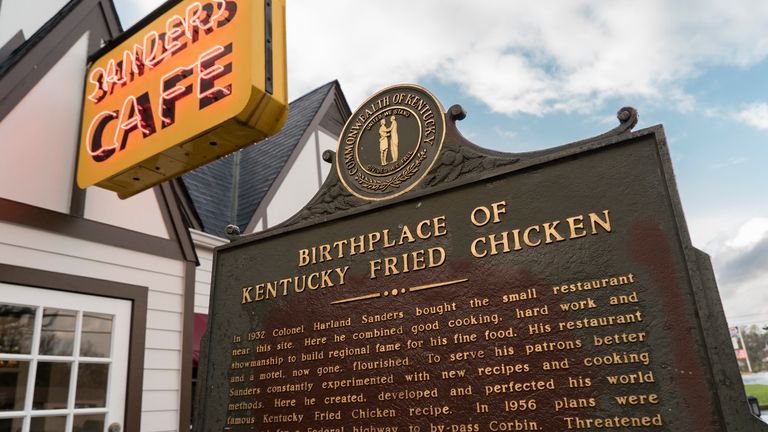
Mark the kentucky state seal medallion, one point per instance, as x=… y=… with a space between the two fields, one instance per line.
x=390 y=142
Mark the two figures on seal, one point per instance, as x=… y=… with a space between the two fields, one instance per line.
x=388 y=140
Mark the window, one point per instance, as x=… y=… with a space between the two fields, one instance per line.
x=57 y=362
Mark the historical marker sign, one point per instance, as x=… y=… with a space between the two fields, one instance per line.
x=551 y=291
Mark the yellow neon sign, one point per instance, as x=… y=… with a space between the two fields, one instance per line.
x=203 y=80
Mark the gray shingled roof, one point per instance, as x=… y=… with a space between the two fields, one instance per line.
x=210 y=186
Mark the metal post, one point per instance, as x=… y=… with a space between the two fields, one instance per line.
x=235 y=187
x=233 y=231
x=744 y=346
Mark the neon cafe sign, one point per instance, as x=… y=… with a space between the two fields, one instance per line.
x=202 y=80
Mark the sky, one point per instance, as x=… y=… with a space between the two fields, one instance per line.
x=534 y=77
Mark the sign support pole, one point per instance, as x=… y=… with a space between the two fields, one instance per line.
x=746 y=352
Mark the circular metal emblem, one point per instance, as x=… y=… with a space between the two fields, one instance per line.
x=390 y=142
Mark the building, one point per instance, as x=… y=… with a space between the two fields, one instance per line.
x=95 y=293
x=99 y=296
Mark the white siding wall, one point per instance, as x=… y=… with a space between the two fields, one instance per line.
x=204 y=244
x=38 y=137
x=138 y=213
x=304 y=178
x=259 y=226
x=326 y=141
x=38 y=143
x=24 y=15
x=297 y=187
x=203 y=280
x=42 y=134
x=27 y=247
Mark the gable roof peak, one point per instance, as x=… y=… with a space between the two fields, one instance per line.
x=210 y=186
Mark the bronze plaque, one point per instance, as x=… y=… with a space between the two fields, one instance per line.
x=555 y=292
x=390 y=143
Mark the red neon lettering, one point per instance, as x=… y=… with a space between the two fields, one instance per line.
x=157 y=47
x=153 y=44
x=222 y=8
x=171 y=91
x=231 y=8
x=135 y=121
x=176 y=90
x=193 y=19
x=134 y=58
x=119 y=77
x=173 y=32
x=95 y=132
x=112 y=76
x=207 y=24
x=208 y=71
x=100 y=85
x=212 y=71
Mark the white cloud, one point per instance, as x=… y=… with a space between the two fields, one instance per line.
x=131 y=11
x=730 y=162
x=563 y=55
x=503 y=133
x=749 y=234
x=740 y=259
x=755 y=115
